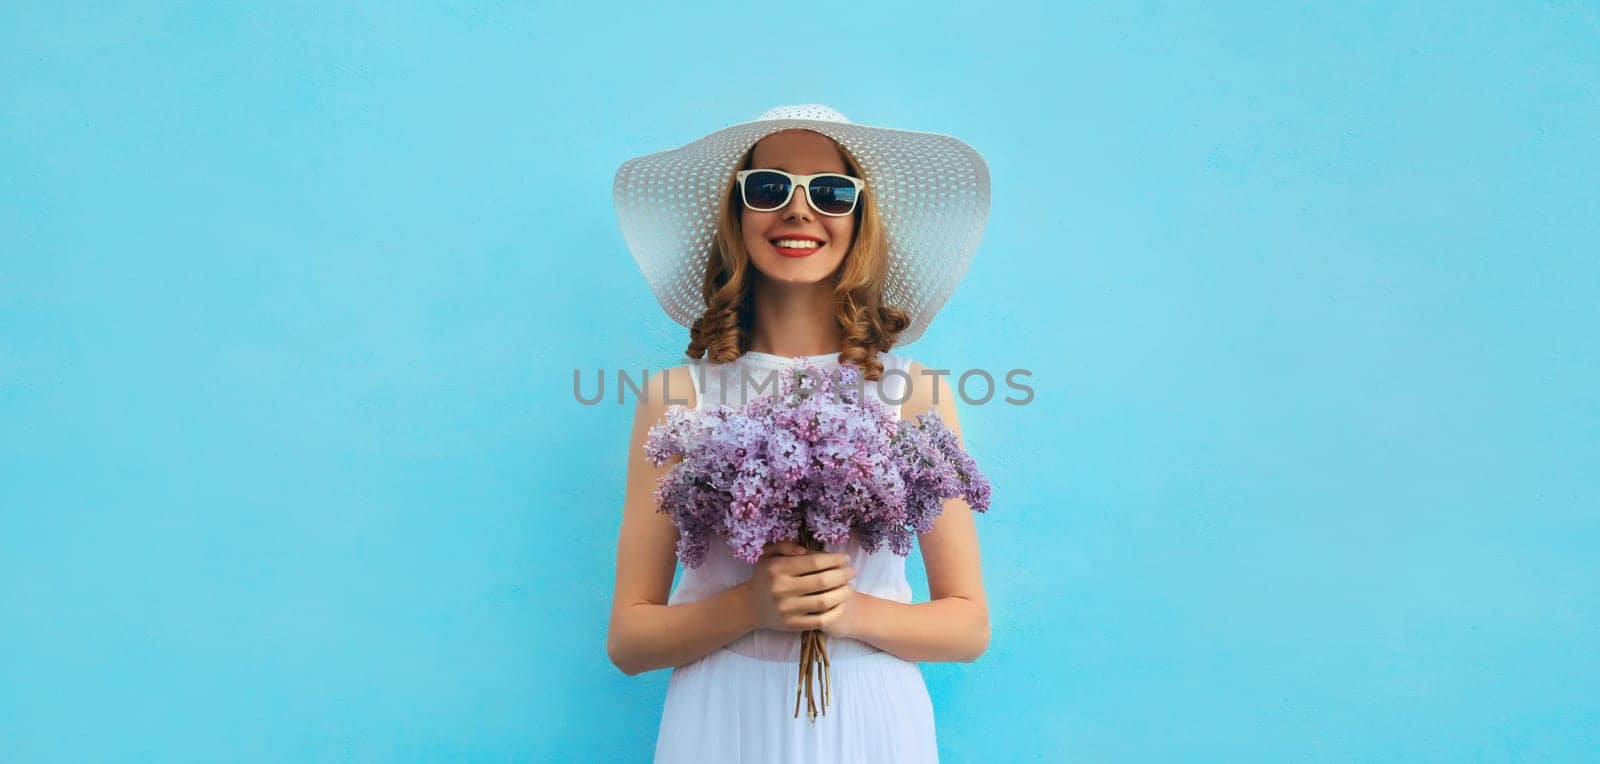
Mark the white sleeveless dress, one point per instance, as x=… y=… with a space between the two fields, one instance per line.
x=737 y=704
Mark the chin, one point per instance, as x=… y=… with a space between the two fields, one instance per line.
x=794 y=273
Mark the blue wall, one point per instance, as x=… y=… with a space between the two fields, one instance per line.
x=290 y=299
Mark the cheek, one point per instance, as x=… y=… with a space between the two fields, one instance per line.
x=748 y=233
x=842 y=232
x=750 y=225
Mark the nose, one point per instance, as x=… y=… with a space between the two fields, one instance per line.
x=799 y=204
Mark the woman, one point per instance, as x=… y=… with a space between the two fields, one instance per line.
x=798 y=236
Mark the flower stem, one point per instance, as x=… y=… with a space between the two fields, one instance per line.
x=813 y=653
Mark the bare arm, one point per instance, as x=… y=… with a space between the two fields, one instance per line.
x=954 y=624
x=646 y=633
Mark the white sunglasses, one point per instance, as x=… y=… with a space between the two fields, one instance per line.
x=829 y=193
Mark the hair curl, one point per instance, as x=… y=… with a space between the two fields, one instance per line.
x=869 y=327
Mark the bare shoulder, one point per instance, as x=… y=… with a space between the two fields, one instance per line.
x=665 y=388
x=929 y=390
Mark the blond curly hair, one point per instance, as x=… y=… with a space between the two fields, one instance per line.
x=869 y=327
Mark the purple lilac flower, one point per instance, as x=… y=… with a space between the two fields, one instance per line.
x=816 y=453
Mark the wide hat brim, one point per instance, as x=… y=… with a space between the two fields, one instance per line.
x=932 y=191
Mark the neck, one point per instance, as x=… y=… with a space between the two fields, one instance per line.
x=794 y=320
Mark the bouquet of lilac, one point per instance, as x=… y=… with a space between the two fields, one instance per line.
x=814 y=462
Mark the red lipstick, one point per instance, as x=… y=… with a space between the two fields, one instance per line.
x=796 y=251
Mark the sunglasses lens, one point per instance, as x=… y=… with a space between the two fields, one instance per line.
x=765 y=190
x=833 y=194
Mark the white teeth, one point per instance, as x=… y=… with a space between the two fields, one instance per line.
x=797 y=243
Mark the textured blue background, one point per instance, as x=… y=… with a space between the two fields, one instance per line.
x=290 y=299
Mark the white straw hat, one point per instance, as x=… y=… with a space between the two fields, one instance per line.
x=932 y=191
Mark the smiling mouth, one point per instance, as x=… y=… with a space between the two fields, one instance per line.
x=795 y=247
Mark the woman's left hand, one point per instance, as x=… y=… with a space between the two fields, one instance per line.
x=840 y=620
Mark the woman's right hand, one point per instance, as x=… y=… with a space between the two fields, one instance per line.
x=792 y=587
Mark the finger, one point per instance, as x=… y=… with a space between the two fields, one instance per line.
x=796 y=609
x=791 y=565
x=827 y=617
x=823 y=619
x=777 y=549
x=833 y=599
x=801 y=623
x=805 y=622
x=826 y=561
x=795 y=583
x=799 y=600
x=846 y=574
x=792 y=548
x=807 y=605
x=771 y=549
x=828 y=600
x=824 y=581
